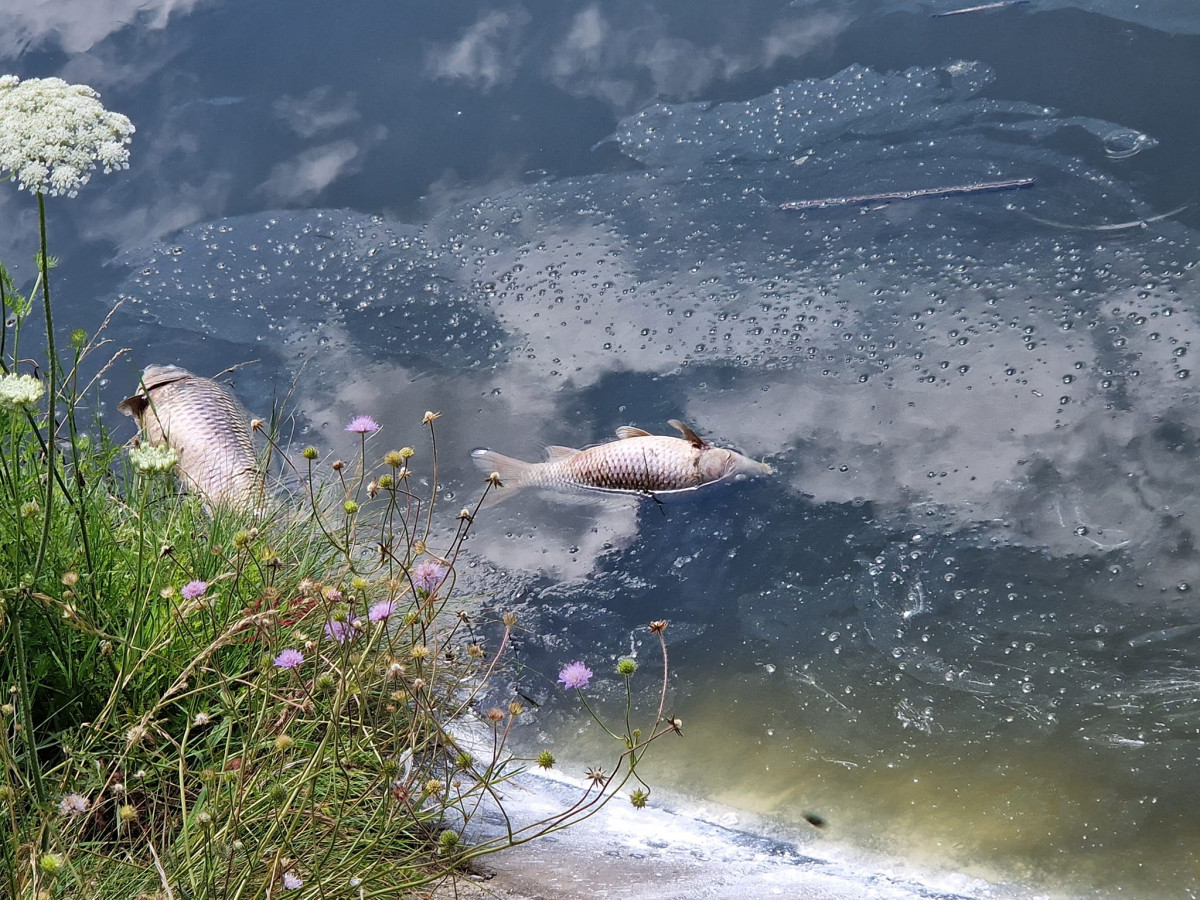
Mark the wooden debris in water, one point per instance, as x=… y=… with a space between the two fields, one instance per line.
x=981 y=187
x=986 y=7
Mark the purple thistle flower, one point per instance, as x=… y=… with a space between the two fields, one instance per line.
x=428 y=574
x=340 y=631
x=363 y=425
x=194 y=589
x=289 y=659
x=381 y=610
x=575 y=676
x=292 y=881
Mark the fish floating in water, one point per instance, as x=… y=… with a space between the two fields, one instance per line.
x=637 y=463
x=208 y=427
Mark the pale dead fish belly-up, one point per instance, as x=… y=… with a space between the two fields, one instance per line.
x=208 y=427
x=636 y=463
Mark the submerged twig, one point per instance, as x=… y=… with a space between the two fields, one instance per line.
x=981 y=187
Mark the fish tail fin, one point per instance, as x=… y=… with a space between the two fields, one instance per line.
x=510 y=470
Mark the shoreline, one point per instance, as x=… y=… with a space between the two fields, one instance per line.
x=661 y=853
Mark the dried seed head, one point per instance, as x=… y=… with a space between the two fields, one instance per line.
x=429 y=417
x=338 y=465
x=495 y=714
x=658 y=626
x=309 y=453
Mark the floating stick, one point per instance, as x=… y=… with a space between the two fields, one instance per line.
x=974 y=9
x=981 y=187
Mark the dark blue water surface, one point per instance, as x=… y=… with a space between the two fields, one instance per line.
x=960 y=623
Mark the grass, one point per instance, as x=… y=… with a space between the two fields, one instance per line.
x=223 y=702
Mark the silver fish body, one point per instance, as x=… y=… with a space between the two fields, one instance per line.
x=208 y=427
x=637 y=463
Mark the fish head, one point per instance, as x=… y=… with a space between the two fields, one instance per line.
x=717 y=463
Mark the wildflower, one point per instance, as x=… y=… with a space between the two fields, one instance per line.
x=393 y=459
x=429 y=417
x=341 y=631
x=73 y=805
x=386 y=482
x=350 y=507
x=289 y=659
x=515 y=708
x=495 y=714
x=135 y=735
x=381 y=610
x=193 y=589
x=18 y=391
x=332 y=594
x=407 y=452
x=447 y=840
x=201 y=719
x=151 y=458
x=658 y=626
x=310 y=453
x=53 y=134
x=29 y=509
x=638 y=798
x=292 y=881
x=545 y=759
x=324 y=683
x=626 y=667
x=363 y=425
x=428 y=574
x=284 y=743
x=51 y=863
x=596 y=776
x=419 y=651
x=575 y=676
x=127 y=813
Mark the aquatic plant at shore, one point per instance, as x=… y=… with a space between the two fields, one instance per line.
x=237 y=703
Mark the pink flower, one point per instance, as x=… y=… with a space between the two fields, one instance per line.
x=575 y=676
x=381 y=610
x=73 y=805
x=289 y=659
x=363 y=425
x=292 y=881
x=194 y=589
x=428 y=574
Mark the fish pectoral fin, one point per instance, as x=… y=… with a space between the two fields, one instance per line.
x=554 y=451
x=692 y=438
x=134 y=406
x=628 y=431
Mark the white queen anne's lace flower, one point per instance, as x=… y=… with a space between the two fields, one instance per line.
x=17 y=391
x=53 y=134
x=150 y=458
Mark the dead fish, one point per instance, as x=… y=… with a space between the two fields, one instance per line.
x=207 y=426
x=637 y=463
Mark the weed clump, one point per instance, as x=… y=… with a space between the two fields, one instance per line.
x=223 y=700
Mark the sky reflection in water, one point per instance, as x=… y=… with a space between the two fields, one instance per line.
x=959 y=624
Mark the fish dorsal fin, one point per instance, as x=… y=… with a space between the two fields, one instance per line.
x=625 y=432
x=692 y=438
x=554 y=451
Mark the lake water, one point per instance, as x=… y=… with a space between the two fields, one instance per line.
x=960 y=624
